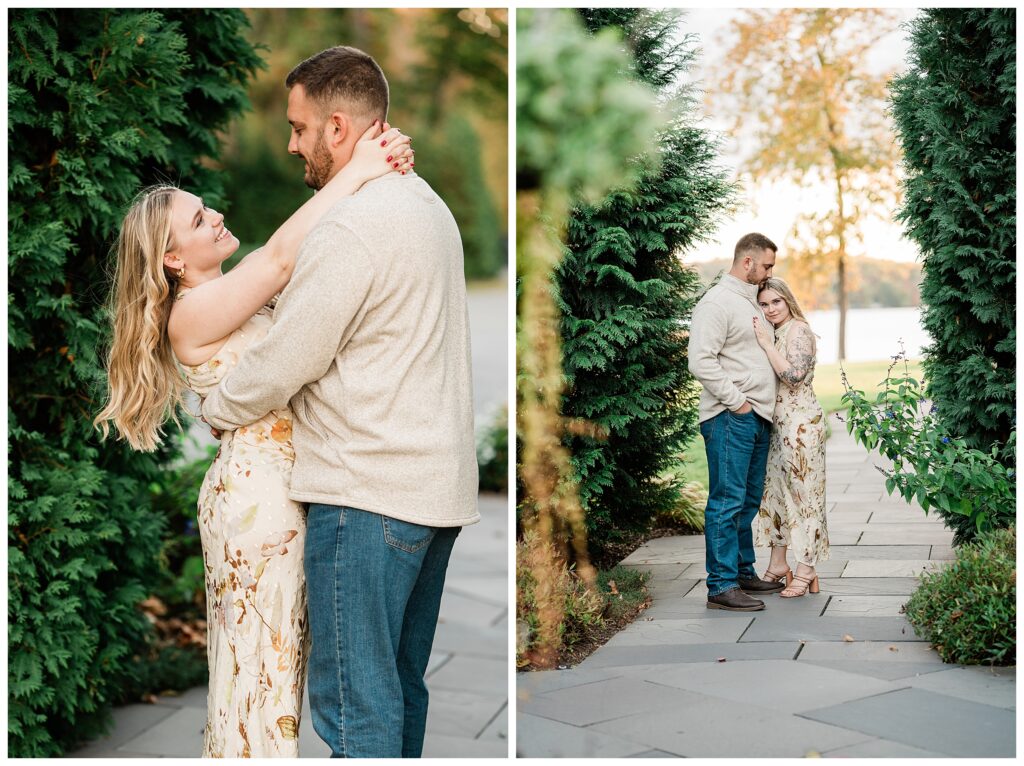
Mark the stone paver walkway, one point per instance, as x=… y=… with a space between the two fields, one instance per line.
x=839 y=673
x=467 y=675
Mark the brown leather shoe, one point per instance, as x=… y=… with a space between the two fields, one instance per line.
x=735 y=600
x=757 y=585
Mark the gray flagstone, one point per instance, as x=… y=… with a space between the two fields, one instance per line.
x=839 y=673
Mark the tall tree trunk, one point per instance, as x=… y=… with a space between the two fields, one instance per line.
x=835 y=150
x=841 y=296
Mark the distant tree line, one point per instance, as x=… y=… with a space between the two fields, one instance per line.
x=872 y=283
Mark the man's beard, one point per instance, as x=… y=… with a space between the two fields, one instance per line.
x=320 y=163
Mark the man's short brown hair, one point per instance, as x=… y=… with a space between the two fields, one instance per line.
x=343 y=79
x=756 y=242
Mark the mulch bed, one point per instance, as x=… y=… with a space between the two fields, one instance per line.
x=569 y=657
x=607 y=558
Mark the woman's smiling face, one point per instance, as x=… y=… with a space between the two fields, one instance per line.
x=775 y=308
x=198 y=235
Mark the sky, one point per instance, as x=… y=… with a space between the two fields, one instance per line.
x=771 y=209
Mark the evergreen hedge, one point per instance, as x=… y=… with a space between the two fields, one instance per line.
x=955 y=111
x=100 y=103
x=626 y=298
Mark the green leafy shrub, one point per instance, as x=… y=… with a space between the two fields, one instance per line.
x=580 y=606
x=929 y=465
x=688 y=512
x=570 y=142
x=101 y=102
x=625 y=298
x=175 y=496
x=162 y=667
x=955 y=112
x=968 y=610
x=619 y=592
x=492 y=454
x=450 y=156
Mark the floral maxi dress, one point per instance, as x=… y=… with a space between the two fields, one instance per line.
x=792 y=509
x=252 y=537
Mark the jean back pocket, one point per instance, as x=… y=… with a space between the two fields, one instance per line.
x=405 y=535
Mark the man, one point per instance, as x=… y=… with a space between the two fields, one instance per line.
x=736 y=406
x=370 y=344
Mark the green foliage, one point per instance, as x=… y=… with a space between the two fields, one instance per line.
x=688 y=511
x=100 y=103
x=955 y=110
x=161 y=668
x=461 y=82
x=453 y=101
x=450 y=156
x=492 y=454
x=624 y=591
x=968 y=610
x=971 y=488
x=470 y=45
x=568 y=137
x=620 y=592
x=579 y=120
x=181 y=585
x=579 y=606
x=625 y=298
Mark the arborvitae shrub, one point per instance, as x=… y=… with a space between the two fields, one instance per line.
x=626 y=299
x=955 y=111
x=100 y=103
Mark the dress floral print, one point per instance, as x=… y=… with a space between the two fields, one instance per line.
x=253 y=538
x=792 y=509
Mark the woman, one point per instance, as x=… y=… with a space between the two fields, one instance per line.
x=178 y=321
x=792 y=512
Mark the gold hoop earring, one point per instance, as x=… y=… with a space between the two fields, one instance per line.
x=181 y=273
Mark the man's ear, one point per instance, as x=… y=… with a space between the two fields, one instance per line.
x=338 y=127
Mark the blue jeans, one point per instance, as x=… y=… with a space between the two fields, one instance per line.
x=374 y=586
x=737 y=450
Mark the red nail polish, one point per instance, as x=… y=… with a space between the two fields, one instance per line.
x=396 y=164
x=389 y=158
x=384 y=142
x=403 y=172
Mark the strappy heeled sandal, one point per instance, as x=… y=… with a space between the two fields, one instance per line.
x=770 y=576
x=810 y=586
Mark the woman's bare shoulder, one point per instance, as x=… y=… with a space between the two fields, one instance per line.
x=185 y=332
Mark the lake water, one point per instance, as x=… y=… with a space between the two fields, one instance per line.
x=871 y=334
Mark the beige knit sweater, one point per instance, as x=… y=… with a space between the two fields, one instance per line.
x=724 y=354
x=370 y=346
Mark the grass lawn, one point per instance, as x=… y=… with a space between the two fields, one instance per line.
x=829 y=388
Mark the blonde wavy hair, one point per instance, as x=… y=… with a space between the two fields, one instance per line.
x=144 y=385
x=780 y=286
